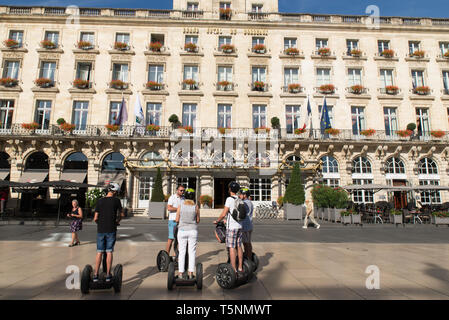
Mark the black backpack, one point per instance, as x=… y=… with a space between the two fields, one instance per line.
x=240 y=210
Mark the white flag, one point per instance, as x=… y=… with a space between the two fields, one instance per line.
x=138 y=111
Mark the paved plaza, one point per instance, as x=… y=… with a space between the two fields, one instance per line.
x=328 y=263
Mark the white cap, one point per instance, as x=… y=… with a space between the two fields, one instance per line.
x=114 y=187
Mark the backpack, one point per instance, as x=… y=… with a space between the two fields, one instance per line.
x=240 y=210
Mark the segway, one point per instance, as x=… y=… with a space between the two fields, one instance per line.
x=163 y=259
x=87 y=282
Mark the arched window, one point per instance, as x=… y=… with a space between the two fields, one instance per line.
x=292 y=159
x=113 y=162
x=330 y=164
x=361 y=165
x=395 y=166
x=427 y=166
x=151 y=159
x=76 y=161
x=37 y=161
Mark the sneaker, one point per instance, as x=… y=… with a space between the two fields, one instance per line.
x=109 y=278
x=318 y=226
x=95 y=278
x=304 y=227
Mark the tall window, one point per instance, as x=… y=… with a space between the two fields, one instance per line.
x=11 y=69
x=428 y=175
x=418 y=78
x=386 y=77
x=256 y=8
x=323 y=76
x=331 y=177
x=289 y=43
x=260 y=189
x=42 y=116
x=188 y=114
x=352 y=45
x=224 y=40
x=358 y=119
x=395 y=166
x=383 y=45
x=145 y=187
x=191 y=72
x=291 y=75
x=446 y=81
x=292 y=118
x=225 y=5
x=192 y=6
x=225 y=74
x=154 y=113
x=259 y=74
x=80 y=109
x=259 y=116
x=88 y=36
x=330 y=110
x=427 y=166
x=120 y=72
x=361 y=173
x=52 y=36
x=390 y=120
x=156 y=73
x=6 y=113
x=413 y=46
x=258 y=40
x=321 y=43
x=363 y=196
x=191 y=39
x=444 y=47
x=354 y=77
x=422 y=121
x=224 y=116
x=113 y=111
x=17 y=36
x=122 y=37
x=48 y=70
x=83 y=70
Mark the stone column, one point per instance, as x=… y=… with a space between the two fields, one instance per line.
x=206 y=185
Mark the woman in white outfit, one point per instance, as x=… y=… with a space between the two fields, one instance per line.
x=309 y=215
x=187 y=219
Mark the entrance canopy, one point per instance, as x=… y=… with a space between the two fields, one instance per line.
x=33 y=176
x=73 y=176
x=108 y=177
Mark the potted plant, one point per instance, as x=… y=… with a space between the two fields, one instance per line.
x=291 y=51
x=446 y=54
x=227 y=48
x=356 y=53
x=155 y=46
x=189 y=129
x=387 y=53
x=225 y=13
x=206 y=201
x=339 y=201
x=30 y=126
x=190 y=47
x=173 y=119
x=332 y=131
x=92 y=196
x=422 y=90
x=324 y=51
x=261 y=130
x=122 y=46
x=112 y=127
x=222 y=130
x=67 y=127
x=396 y=216
x=153 y=85
x=294 y=197
x=368 y=132
x=275 y=123
x=440 y=217
x=47 y=44
x=157 y=206
x=259 y=85
x=190 y=84
x=411 y=126
x=9 y=82
x=43 y=82
x=346 y=217
x=11 y=43
x=60 y=121
x=118 y=84
x=356 y=218
x=259 y=48
x=85 y=45
x=327 y=88
x=81 y=84
x=153 y=128
x=357 y=89
x=300 y=131
x=223 y=85
x=437 y=133
x=419 y=54
x=404 y=133
x=391 y=89
x=294 y=88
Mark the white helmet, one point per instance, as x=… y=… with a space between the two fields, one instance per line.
x=114 y=187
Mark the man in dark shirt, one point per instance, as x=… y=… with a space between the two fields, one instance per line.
x=108 y=214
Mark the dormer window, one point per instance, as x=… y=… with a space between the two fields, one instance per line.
x=192 y=6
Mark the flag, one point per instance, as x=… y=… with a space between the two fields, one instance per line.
x=138 y=111
x=309 y=115
x=122 y=116
x=325 y=121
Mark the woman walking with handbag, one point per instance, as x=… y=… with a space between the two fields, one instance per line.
x=77 y=222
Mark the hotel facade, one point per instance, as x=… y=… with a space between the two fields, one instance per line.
x=225 y=69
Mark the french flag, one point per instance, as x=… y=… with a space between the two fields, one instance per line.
x=309 y=115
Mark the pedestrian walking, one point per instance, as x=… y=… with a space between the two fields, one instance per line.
x=77 y=222
x=309 y=214
x=187 y=219
x=172 y=206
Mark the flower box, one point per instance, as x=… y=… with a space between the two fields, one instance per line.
x=446 y=54
x=43 y=82
x=191 y=47
x=404 y=133
x=396 y=217
x=388 y=53
x=153 y=128
x=30 y=126
x=300 y=131
x=67 y=127
x=345 y=218
x=368 y=132
x=259 y=48
x=10 y=43
x=85 y=45
x=118 y=84
x=206 y=201
x=291 y=51
x=190 y=84
x=227 y=48
x=122 y=46
x=8 y=82
x=112 y=127
x=437 y=133
x=224 y=85
x=391 y=89
x=294 y=87
x=262 y=130
x=224 y=130
x=155 y=46
x=440 y=217
x=423 y=90
x=225 y=13
x=189 y=129
x=153 y=85
x=356 y=218
x=324 y=51
x=418 y=54
x=356 y=53
x=332 y=131
x=47 y=44
x=81 y=84
x=327 y=88
x=357 y=89
x=259 y=86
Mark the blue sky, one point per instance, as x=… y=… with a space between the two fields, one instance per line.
x=409 y=8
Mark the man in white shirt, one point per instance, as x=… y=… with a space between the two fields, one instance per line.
x=174 y=202
x=233 y=228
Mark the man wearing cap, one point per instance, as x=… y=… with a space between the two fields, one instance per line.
x=108 y=214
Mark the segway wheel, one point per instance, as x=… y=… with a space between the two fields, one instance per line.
x=248 y=268
x=199 y=276
x=255 y=261
x=163 y=260
x=85 y=279
x=225 y=276
x=118 y=274
x=171 y=276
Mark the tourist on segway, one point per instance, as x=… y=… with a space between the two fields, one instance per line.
x=187 y=220
x=247 y=224
x=108 y=214
x=173 y=204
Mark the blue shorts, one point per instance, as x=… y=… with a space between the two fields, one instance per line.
x=106 y=242
x=171 y=229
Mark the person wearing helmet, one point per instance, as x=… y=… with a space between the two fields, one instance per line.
x=187 y=219
x=247 y=224
x=233 y=228
x=108 y=213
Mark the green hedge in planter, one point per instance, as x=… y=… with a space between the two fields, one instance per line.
x=327 y=197
x=395 y=212
x=158 y=194
x=295 y=191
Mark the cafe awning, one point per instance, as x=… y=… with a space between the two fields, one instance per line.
x=73 y=176
x=33 y=176
x=108 y=177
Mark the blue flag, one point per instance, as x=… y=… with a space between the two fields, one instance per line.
x=325 y=121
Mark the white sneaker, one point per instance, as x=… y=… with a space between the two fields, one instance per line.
x=304 y=227
x=318 y=226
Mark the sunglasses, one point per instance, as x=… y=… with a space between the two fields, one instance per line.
x=181 y=190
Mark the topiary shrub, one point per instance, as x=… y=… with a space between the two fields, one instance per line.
x=157 y=194
x=411 y=126
x=327 y=197
x=275 y=123
x=295 y=191
x=60 y=121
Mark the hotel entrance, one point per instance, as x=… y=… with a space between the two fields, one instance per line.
x=221 y=191
x=400 y=197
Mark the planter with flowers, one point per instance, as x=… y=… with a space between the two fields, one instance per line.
x=368 y=132
x=446 y=54
x=121 y=46
x=259 y=85
x=155 y=46
x=206 y=201
x=189 y=129
x=324 y=52
x=224 y=85
x=67 y=127
x=391 y=90
x=356 y=53
x=43 y=82
x=225 y=13
x=47 y=44
x=85 y=45
x=191 y=47
x=440 y=217
x=357 y=89
x=404 y=133
x=437 y=133
x=418 y=54
x=259 y=48
x=118 y=84
x=332 y=131
x=11 y=43
x=190 y=84
x=291 y=51
x=300 y=131
x=223 y=130
x=81 y=84
x=30 y=126
x=262 y=130
x=227 y=48
x=112 y=127
x=396 y=216
x=387 y=53
x=327 y=88
x=423 y=90
x=152 y=128
x=9 y=82
x=153 y=85
x=294 y=88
